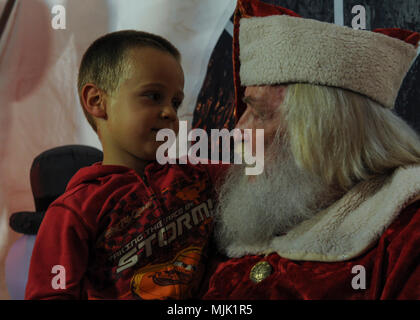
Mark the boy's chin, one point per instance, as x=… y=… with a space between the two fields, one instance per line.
x=147 y=158
x=143 y=156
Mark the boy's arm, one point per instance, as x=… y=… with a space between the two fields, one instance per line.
x=216 y=171
x=60 y=256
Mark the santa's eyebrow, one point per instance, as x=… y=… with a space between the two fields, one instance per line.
x=249 y=100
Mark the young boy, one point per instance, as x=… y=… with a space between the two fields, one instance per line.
x=127 y=228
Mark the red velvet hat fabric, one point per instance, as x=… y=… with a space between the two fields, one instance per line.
x=256 y=8
x=407 y=36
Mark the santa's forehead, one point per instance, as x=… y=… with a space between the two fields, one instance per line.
x=264 y=90
x=269 y=96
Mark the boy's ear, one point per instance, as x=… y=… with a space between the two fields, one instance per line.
x=94 y=101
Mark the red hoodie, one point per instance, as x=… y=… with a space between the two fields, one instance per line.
x=112 y=235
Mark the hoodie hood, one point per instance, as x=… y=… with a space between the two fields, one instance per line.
x=97 y=172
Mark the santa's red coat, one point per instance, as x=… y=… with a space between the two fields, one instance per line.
x=391 y=262
x=392 y=271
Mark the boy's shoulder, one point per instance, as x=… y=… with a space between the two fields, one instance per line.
x=92 y=185
x=76 y=198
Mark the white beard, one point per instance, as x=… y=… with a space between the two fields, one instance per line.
x=253 y=212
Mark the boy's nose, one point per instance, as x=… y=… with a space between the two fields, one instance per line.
x=169 y=113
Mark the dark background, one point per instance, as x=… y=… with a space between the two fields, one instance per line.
x=214 y=109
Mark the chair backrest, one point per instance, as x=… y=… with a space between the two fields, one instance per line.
x=50 y=173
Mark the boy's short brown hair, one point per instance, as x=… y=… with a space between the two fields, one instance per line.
x=104 y=65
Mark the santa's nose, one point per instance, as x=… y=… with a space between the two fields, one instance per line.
x=243 y=120
x=243 y=124
x=241 y=135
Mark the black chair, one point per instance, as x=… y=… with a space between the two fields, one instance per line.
x=50 y=173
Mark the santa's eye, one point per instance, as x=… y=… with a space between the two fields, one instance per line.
x=262 y=115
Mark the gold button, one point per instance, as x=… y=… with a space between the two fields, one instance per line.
x=260 y=271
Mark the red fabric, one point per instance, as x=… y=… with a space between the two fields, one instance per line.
x=401 y=34
x=392 y=271
x=256 y=8
x=119 y=237
x=392 y=266
x=246 y=9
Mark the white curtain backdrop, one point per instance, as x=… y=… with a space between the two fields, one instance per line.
x=39 y=107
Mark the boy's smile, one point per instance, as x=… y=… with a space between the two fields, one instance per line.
x=145 y=102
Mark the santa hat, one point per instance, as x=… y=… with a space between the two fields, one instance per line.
x=276 y=46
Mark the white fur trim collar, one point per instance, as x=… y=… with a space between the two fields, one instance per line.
x=350 y=226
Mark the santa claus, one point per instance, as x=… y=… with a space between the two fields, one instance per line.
x=336 y=213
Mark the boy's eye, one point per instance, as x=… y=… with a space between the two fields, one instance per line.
x=155 y=96
x=176 y=103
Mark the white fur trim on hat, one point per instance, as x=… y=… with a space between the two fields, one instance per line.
x=284 y=49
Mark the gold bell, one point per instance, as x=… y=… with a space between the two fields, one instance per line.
x=260 y=271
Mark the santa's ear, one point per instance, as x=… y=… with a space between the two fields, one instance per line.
x=94 y=100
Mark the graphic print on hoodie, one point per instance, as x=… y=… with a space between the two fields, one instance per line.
x=119 y=237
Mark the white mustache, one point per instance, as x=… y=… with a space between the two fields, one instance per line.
x=280 y=198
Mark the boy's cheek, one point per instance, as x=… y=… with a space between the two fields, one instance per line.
x=176 y=129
